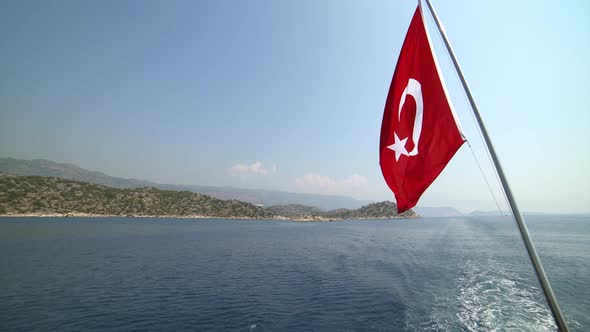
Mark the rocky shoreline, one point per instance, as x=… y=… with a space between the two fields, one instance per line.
x=91 y=215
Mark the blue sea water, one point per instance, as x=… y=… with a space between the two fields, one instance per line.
x=440 y=274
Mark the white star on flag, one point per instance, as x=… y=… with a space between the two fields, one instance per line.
x=398 y=146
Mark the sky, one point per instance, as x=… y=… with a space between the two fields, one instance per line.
x=289 y=95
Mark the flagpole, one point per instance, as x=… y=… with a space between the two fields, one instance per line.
x=549 y=295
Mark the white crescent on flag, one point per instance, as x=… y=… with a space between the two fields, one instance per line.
x=414 y=89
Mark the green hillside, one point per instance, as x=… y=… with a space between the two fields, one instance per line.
x=381 y=210
x=36 y=195
x=48 y=195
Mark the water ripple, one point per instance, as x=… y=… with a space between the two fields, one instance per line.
x=113 y=275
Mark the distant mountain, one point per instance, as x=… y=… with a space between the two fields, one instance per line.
x=479 y=213
x=273 y=197
x=51 y=195
x=444 y=211
x=42 y=167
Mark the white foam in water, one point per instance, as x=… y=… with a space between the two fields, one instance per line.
x=493 y=299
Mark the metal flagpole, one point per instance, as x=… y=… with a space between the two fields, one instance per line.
x=549 y=295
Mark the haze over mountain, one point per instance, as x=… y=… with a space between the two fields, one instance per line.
x=43 y=167
x=48 y=168
x=442 y=211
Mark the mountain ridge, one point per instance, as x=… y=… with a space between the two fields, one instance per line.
x=44 y=167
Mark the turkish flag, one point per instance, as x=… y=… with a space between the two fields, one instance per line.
x=420 y=132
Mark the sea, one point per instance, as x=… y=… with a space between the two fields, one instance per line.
x=154 y=274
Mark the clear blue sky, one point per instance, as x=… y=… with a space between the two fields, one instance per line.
x=289 y=95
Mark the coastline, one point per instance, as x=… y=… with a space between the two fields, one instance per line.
x=92 y=215
x=47 y=197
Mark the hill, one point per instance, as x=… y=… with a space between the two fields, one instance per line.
x=296 y=211
x=381 y=210
x=50 y=195
x=36 y=195
x=42 y=167
x=49 y=168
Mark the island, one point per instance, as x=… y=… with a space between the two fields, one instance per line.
x=56 y=197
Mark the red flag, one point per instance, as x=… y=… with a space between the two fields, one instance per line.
x=420 y=132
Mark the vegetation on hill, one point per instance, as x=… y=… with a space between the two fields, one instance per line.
x=47 y=195
x=296 y=211
x=36 y=195
x=381 y=210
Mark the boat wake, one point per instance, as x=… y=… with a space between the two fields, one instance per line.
x=491 y=298
x=487 y=297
